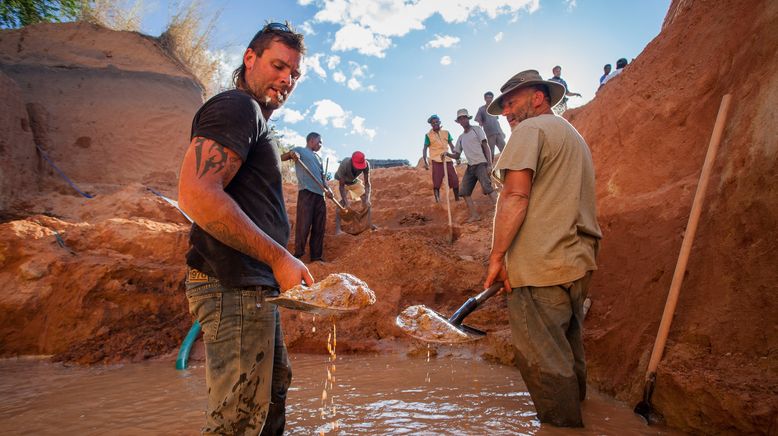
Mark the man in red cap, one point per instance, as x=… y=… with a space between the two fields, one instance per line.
x=350 y=187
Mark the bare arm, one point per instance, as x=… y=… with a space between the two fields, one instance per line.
x=207 y=169
x=343 y=196
x=479 y=117
x=424 y=156
x=290 y=155
x=367 y=183
x=487 y=152
x=508 y=218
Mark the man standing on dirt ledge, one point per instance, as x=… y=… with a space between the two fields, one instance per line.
x=545 y=242
x=230 y=185
x=438 y=141
x=311 y=211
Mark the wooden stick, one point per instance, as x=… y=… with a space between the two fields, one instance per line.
x=688 y=238
x=448 y=203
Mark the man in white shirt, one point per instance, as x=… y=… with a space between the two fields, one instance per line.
x=479 y=162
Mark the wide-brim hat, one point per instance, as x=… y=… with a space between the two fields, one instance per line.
x=463 y=113
x=521 y=80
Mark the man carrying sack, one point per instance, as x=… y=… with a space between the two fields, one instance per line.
x=352 y=190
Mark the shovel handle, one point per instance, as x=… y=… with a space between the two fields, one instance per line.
x=318 y=182
x=472 y=304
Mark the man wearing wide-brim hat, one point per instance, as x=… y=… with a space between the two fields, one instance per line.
x=545 y=242
x=474 y=144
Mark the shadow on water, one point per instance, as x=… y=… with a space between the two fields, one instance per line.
x=385 y=394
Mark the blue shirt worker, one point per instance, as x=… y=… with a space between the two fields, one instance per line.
x=311 y=189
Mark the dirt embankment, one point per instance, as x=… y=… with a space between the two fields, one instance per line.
x=649 y=129
x=107 y=107
x=114 y=291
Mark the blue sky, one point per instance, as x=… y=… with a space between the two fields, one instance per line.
x=376 y=69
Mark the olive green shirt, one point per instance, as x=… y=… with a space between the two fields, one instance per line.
x=558 y=239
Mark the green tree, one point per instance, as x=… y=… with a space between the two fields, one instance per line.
x=18 y=13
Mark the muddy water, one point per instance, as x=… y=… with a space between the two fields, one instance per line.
x=387 y=394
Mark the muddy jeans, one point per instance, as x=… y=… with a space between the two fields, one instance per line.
x=546 y=325
x=247 y=368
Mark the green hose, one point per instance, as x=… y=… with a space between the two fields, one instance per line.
x=186 y=346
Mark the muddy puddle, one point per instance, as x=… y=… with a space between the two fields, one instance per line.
x=385 y=394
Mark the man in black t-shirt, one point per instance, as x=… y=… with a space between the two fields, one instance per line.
x=230 y=185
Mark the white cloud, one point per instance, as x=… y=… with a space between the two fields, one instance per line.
x=307 y=28
x=327 y=111
x=570 y=5
x=313 y=62
x=445 y=60
x=498 y=37
x=368 y=26
x=444 y=41
x=333 y=61
x=290 y=137
x=355 y=37
x=358 y=127
x=353 y=84
x=290 y=116
x=339 y=77
x=328 y=153
x=357 y=70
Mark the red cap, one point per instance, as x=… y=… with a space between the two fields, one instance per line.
x=358 y=160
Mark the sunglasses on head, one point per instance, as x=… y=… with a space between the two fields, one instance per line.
x=277 y=26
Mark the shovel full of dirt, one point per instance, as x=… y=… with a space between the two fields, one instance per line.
x=427 y=325
x=337 y=294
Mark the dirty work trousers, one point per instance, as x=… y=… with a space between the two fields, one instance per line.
x=247 y=368
x=437 y=175
x=311 y=219
x=546 y=325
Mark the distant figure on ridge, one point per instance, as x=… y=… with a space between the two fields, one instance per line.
x=491 y=125
x=545 y=242
x=605 y=71
x=620 y=64
x=561 y=107
x=351 y=188
x=479 y=162
x=311 y=208
x=438 y=141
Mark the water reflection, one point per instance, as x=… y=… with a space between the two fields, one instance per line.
x=388 y=394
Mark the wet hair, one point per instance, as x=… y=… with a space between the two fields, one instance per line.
x=489 y=93
x=621 y=63
x=312 y=136
x=283 y=33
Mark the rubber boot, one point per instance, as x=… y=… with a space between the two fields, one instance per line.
x=456 y=194
x=437 y=195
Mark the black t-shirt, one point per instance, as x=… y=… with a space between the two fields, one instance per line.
x=234 y=120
